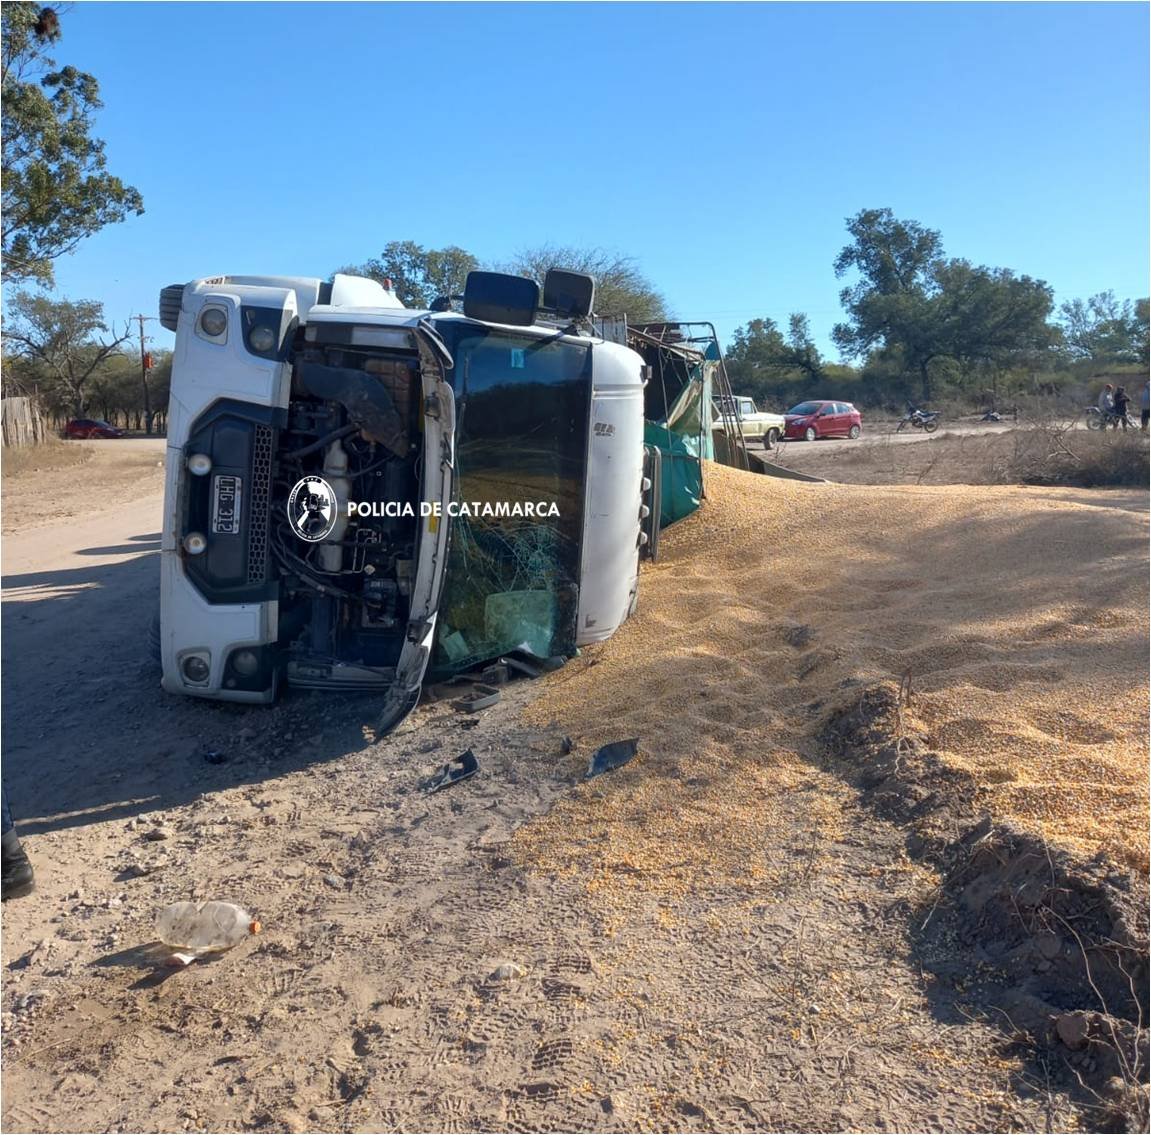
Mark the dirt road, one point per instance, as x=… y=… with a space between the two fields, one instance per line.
x=799 y=1000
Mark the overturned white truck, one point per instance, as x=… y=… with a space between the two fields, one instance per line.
x=359 y=495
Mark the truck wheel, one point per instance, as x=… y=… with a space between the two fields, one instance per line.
x=809 y=434
x=771 y=439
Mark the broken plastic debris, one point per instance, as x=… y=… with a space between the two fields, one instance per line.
x=612 y=756
x=496 y=674
x=455 y=646
x=522 y=667
x=464 y=766
x=480 y=698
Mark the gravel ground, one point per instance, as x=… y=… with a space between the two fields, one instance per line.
x=718 y=936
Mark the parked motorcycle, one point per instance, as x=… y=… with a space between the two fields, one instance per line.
x=925 y=420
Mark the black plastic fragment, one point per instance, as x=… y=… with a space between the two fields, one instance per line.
x=464 y=766
x=612 y=756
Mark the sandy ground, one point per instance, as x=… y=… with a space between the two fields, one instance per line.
x=967 y=453
x=716 y=937
x=79 y=479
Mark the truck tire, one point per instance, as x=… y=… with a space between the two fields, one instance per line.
x=171 y=299
x=771 y=439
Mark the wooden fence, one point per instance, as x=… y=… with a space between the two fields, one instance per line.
x=21 y=422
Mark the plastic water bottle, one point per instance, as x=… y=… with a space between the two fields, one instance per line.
x=197 y=928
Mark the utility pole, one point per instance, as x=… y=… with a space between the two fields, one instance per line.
x=145 y=365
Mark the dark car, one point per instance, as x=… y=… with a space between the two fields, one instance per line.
x=810 y=420
x=91 y=427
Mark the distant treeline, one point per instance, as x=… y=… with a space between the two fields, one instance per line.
x=921 y=327
x=918 y=326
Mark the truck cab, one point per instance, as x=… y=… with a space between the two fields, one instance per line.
x=359 y=495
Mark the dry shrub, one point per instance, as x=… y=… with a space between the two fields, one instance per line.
x=1113 y=460
x=1052 y=453
x=1042 y=453
x=52 y=453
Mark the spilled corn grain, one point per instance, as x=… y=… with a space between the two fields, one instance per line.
x=768 y=604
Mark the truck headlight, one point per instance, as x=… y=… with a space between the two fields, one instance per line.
x=195 y=543
x=196 y=669
x=200 y=464
x=245 y=662
x=213 y=322
x=262 y=338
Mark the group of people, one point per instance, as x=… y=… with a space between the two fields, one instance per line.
x=1114 y=402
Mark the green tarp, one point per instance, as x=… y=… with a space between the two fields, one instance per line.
x=684 y=440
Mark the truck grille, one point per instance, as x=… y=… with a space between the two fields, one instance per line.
x=258 y=518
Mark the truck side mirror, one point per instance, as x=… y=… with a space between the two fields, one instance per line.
x=493 y=297
x=568 y=294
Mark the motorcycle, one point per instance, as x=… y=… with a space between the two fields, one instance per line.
x=1100 y=419
x=925 y=420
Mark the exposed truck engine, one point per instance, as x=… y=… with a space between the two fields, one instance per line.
x=358 y=495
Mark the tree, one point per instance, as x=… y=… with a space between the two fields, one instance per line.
x=56 y=187
x=60 y=336
x=802 y=352
x=1104 y=329
x=913 y=305
x=1143 y=339
x=620 y=287
x=419 y=275
x=753 y=357
x=764 y=363
x=991 y=318
x=889 y=304
x=115 y=393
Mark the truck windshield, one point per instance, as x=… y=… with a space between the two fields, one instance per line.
x=521 y=440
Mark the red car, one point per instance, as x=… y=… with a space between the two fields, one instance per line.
x=810 y=420
x=91 y=427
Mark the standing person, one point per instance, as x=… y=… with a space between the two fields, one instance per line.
x=1121 y=404
x=1145 y=406
x=16 y=878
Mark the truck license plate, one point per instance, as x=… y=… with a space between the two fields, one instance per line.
x=226 y=496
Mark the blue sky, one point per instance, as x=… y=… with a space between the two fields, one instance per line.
x=720 y=145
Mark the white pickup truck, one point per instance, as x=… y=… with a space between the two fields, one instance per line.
x=753 y=423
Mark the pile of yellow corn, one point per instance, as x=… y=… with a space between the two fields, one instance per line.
x=1021 y=615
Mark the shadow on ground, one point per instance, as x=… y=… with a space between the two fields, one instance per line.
x=88 y=735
